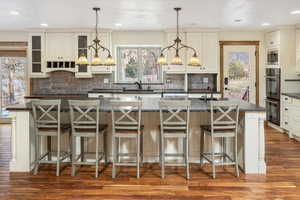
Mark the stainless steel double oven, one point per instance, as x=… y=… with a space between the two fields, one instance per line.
x=273 y=95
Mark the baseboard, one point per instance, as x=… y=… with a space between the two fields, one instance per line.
x=278 y=128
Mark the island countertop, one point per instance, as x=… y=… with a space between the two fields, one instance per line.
x=155 y=91
x=150 y=104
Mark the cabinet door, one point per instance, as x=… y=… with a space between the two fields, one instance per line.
x=273 y=39
x=294 y=118
x=60 y=47
x=298 y=40
x=194 y=40
x=210 y=52
x=36 y=54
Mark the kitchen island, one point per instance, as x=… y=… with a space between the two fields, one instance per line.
x=251 y=148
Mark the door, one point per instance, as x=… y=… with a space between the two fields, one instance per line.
x=12 y=81
x=239 y=73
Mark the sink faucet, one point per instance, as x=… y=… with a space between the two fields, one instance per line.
x=138 y=84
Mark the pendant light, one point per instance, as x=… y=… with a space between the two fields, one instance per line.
x=177 y=46
x=96 y=46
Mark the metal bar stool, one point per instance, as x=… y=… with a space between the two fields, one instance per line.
x=85 y=123
x=224 y=124
x=174 y=123
x=126 y=124
x=47 y=123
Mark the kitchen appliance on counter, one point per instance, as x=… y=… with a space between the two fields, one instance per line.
x=272 y=57
x=273 y=92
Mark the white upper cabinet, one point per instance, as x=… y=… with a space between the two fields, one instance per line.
x=273 y=39
x=36 y=55
x=195 y=41
x=210 y=52
x=61 y=47
x=298 y=40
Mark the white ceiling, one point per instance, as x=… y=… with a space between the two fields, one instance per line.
x=147 y=14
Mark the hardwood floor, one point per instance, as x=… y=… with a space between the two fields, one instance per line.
x=281 y=181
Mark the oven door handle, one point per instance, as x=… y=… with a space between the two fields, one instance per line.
x=270 y=101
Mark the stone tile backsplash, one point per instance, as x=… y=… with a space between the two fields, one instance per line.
x=66 y=83
x=174 y=81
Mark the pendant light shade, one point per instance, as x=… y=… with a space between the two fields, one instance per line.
x=96 y=61
x=109 y=61
x=82 y=60
x=176 y=60
x=194 y=61
x=162 y=60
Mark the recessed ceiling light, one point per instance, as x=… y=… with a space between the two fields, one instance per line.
x=238 y=20
x=14 y=12
x=44 y=25
x=118 y=25
x=295 y=12
x=265 y=24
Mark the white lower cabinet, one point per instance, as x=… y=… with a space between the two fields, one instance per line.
x=294 y=118
x=290 y=118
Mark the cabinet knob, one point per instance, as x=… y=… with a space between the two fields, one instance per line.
x=286 y=99
x=286 y=122
x=286 y=109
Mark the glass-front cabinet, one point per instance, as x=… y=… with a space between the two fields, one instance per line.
x=36 y=55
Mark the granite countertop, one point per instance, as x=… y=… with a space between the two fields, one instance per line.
x=179 y=91
x=57 y=96
x=149 y=105
x=293 y=95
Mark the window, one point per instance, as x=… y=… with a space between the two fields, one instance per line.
x=12 y=81
x=138 y=63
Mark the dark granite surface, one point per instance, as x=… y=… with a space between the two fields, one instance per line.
x=149 y=105
x=293 y=95
x=175 y=91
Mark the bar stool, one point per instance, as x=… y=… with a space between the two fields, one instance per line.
x=85 y=123
x=126 y=124
x=224 y=124
x=174 y=123
x=47 y=123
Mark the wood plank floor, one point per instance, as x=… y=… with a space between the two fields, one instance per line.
x=281 y=182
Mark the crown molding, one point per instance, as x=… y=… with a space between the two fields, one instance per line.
x=67 y=30
x=191 y=29
x=282 y=27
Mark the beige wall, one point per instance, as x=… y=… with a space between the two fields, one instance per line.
x=15 y=36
